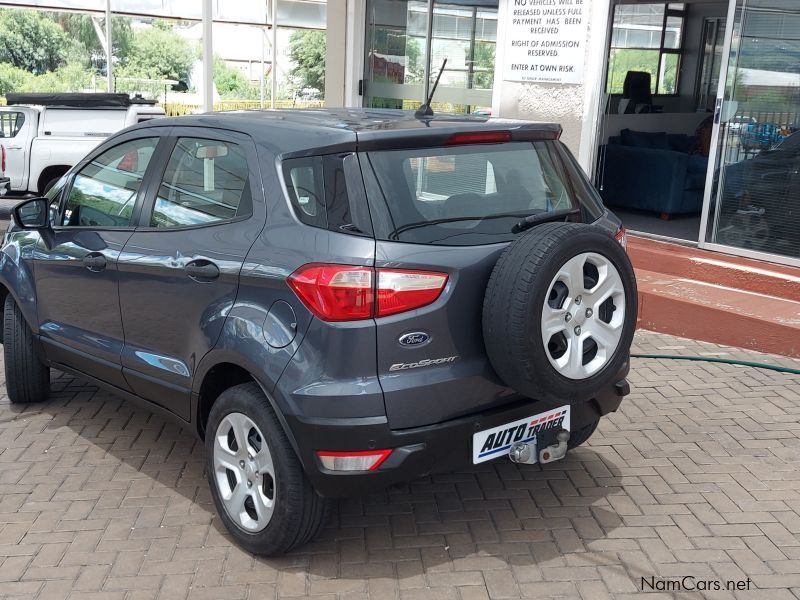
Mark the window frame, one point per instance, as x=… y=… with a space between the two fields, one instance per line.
x=245 y=142
x=661 y=49
x=66 y=190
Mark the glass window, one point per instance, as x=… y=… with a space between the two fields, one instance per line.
x=319 y=191
x=11 y=123
x=304 y=184
x=648 y=38
x=471 y=194
x=104 y=191
x=205 y=181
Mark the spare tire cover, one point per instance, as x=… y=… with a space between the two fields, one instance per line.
x=560 y=312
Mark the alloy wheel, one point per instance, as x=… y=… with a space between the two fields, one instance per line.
x=583 y=315
x=244 y=472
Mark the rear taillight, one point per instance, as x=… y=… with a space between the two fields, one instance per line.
x=353 y=461
x=399 y=291
x=622 y=237
x=335 y=292
x=350 y=293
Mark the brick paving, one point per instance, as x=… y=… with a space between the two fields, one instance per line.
x=698 y=474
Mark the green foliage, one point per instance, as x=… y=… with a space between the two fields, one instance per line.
x=12 y=79
x=231 y=82
x=483 y=77
x=81 y=30
x=72 y=77
x=307 y=50
x=623 y=60
x=32 y=41
x=415 y=69
x=158 y=53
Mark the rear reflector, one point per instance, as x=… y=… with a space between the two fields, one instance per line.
x=399 y=291
x=622 y=237
x=479 y=137
x=2 y=159
x=353 y=461
x=348 y=293
x=335 y=292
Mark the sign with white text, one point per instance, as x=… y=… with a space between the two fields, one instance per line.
x=545 y=41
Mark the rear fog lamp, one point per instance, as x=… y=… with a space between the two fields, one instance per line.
x=353 y=461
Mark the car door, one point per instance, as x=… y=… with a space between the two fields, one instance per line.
x=76 y=264
x=17 y=129
x=179 y=271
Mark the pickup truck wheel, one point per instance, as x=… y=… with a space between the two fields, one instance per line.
x=560 y=312
x=257 y=482
x=27 y=377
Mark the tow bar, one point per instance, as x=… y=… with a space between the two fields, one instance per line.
x=525 y=452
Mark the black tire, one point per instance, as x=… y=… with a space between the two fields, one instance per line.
x=582 y=435
x=27 y=377
x=299 y=511
x=514 y=302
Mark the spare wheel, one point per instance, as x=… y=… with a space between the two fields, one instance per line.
x=560 y=312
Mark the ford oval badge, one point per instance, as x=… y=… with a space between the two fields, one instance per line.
x=415 y=338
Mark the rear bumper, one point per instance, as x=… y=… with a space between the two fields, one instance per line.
x=421 y=451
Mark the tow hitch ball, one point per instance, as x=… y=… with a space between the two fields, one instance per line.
x=525 y=452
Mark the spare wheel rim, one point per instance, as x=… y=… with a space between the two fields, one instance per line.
x=583 y=315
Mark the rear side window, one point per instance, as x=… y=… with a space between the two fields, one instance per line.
x=322 y=192
x=11 y=123
x=468 y=195
x=205 y=181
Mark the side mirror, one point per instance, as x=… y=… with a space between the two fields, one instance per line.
x=32 y=214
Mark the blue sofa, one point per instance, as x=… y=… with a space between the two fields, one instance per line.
x=653 y=172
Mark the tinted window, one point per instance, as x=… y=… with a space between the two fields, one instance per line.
x=104 y=192
x=319 y=191
x=304 y=184
x=443 y=195
x=205 y=181
x=11 y=123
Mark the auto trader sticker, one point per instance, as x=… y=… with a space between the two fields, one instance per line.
x=491 y=443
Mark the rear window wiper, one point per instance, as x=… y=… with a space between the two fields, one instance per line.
x=544 y=217
x=416 y=225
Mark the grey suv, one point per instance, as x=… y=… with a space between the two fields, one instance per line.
x=335 y=301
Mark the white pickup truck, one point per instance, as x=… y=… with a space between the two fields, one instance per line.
x=44 y=135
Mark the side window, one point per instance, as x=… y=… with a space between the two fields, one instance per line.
x=317 y=187
x=104 y=192
x=205 y=181
x=11 y=123
x=306 y=188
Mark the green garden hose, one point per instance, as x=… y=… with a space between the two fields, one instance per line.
x=724 y=361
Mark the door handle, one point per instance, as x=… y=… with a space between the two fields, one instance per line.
x=95 y=262
x=13 y=147
x=202 y=270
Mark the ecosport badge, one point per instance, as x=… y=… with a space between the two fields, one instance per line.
x=426 y=362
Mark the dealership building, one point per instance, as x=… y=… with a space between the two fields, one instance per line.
x=686 y=115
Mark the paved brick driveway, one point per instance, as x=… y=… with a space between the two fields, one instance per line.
x=698 y=474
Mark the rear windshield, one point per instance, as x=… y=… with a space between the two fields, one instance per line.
x=469 y=195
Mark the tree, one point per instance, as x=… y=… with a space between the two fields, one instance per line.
x=12 y=79
x=307 y=51
x=32 y=41
x=231 y=82
x=415 y=71
x=483 y=74
x=80 y=28
x=159 y=53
